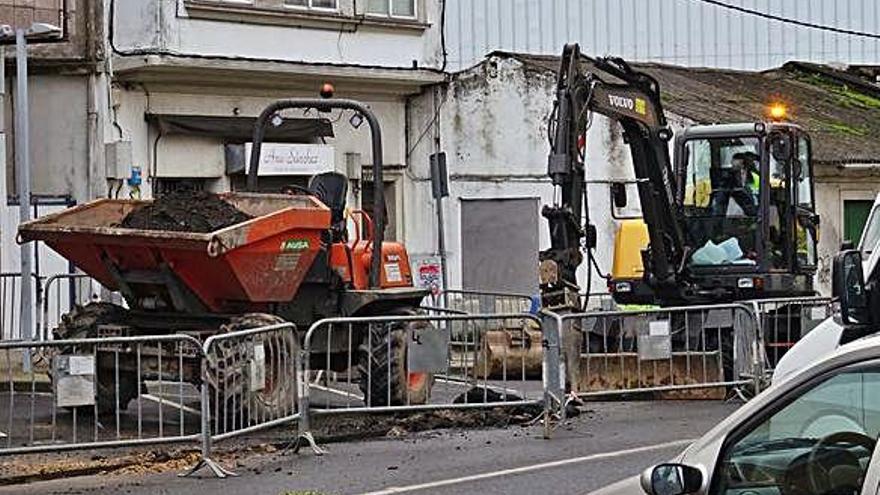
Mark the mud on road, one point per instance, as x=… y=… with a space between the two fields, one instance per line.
x=28 y=468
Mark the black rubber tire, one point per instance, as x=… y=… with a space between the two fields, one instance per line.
x=228 y=378
x=382 y=359
x=82 y=322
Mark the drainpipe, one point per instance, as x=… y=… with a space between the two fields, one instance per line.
x=92 y=152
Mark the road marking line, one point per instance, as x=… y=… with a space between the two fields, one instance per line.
x=534 y=467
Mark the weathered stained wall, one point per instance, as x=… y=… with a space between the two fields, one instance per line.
x=178 y=27
x=494 y=131
x=85 y=28
x=834 y=186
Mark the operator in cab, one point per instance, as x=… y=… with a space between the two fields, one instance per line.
x=743 y=185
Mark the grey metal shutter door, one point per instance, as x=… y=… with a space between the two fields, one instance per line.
x=499 y=243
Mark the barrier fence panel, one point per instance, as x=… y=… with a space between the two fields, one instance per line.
x=783 y=322
x=60 y=294
x=10 y=305
x=482 y=302
x=695 y=351
x=599 y=301
x=408 y=363
x=98 y=392
x=251 y=377
x=250 y=382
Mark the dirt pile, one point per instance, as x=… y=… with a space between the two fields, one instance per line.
x=185 y=211
x=345 y=427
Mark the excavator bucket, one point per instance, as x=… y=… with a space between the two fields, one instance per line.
x=512 y=351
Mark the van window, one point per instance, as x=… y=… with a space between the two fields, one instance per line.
x=820 y=443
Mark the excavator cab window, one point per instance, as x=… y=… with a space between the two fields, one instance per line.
x=778 y=205
x=807 y=220
x=721 y=199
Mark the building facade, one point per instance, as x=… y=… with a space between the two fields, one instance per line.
x=161 y=89
x=165 y=84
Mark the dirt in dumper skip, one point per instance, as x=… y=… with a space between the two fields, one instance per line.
x=187 y=211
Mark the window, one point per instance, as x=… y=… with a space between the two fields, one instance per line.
x=312 y=4
x=721 y=196
x=721 y=170
x=855 y=217
x=779 y=226
x=820 y=443
x=805 y=180
x=392 y=8
x=806 y=244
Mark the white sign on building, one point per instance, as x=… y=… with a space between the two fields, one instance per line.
x=293 y=159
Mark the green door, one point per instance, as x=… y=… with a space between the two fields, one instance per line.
x=855 y=214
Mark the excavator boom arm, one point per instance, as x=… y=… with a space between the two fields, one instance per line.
x=634 y=102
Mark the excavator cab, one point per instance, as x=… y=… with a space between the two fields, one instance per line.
x=730 y=216
x=748 y=213
x=746 y=194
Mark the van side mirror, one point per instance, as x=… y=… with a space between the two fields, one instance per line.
x=618 y=194
x=672 y=479
x=849 y=288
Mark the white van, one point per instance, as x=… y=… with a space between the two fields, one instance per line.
x=826 y=337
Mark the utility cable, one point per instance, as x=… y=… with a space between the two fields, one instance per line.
x=787 y=20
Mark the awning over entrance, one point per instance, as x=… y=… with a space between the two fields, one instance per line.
x=240 y=129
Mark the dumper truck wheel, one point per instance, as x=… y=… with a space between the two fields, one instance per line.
x=83 y=322
x=252 y=378
x=382 y=365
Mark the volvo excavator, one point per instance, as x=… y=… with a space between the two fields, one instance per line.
x=730 y=218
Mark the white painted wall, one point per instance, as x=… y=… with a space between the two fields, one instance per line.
x=166 y=26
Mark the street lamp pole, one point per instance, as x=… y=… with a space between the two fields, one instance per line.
x=39 y=32
x=23 y=179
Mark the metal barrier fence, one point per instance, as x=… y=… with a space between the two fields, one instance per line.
x=250 y=383
x=482 y=302
x=259 y=372
x=415 y=363
x=697 y=351
x=54 y=295
x=112 y=391
x=783 y=322
x=60 y=293
x=98 y=392
x=10 y=305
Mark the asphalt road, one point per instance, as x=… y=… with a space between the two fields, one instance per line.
x=610 y=442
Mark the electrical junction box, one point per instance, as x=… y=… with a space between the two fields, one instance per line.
x=117 y=158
